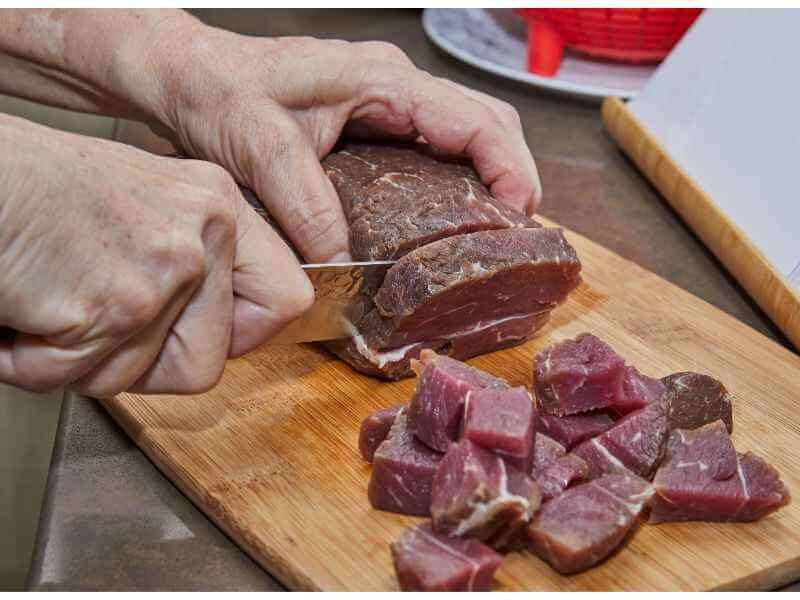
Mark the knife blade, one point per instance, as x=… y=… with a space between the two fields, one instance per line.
x=339 y=304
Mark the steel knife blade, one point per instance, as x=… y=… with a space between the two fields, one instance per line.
x=341 y=299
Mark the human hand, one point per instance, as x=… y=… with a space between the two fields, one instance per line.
x=121 y=270
x=269 y=109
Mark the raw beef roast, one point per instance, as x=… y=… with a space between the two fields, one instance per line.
x=503 y=421
x=397 y=199
x=695 y=399
x=574 y=429
x=704 y=479
x=426 y=561
x=582 y=526
x=437 y=406
x=477 y=494
x=402 y=472
x=635 y=443
x=577 y=376
x=374 y=430
x=472 y=277
x=554 y=470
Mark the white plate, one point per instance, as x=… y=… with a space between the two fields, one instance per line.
x=494 y=40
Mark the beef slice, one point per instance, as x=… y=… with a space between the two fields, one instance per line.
x=704 y=479
x=436 y=409
x=477 y=494
x=584 y=525
x=573 y=429
x=402 y=472
x=577 y=376
x=374 y=430
x=503 y=421
x=426 y=561
x=554 y=470
x=638 y=391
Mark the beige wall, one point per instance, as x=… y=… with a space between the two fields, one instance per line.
x=28 y=421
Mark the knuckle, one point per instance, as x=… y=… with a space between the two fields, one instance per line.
x=296 y=301
x=135 y=309
x=186 y=259
x=508 y=113
x=385 y=50
x=316 y=224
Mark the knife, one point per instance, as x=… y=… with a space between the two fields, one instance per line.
x=342 y=293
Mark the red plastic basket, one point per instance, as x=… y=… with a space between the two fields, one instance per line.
x=633 y=35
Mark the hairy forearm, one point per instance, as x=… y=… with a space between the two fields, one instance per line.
x=101 y=61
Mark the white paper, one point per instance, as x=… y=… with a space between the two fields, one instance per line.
x=726 y=106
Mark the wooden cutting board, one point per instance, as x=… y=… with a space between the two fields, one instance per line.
x=270 y=454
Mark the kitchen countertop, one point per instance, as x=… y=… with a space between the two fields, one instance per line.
x=112 y=521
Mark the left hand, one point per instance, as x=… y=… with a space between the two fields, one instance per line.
x=268 y=109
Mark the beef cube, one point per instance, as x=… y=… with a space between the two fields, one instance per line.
x=477 y=494
x=582 y=526
x=704 y=479
x=635 y=443
x=437 y=406
x=574 y=429
x=577 y=376
x=426 y=561
x=555 y=470
x=402 y=472
x=374 y=430
x=694 y=400
x=638 y=391
x=502 y=421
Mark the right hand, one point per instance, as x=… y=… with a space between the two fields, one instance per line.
x=125 y=271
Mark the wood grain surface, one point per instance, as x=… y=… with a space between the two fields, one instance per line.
x=271 y=453
x=765 y=284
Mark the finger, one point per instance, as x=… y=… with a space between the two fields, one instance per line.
x=43 y=363
x=285 y=173
x=270 y=288
x=451 y=121
x=509 y=116
x=126 y=364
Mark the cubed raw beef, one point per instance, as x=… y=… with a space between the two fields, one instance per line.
x=426 y=561
x=374 y=430
x=582 y=526
x=402 y=472
x=437 y=406
x=477 y=494
x=695 y=400
x=574 y=429
x=502 y=421
x=554 y=470
x=704 y=479
x=635 y=443
x=577 y=376
x=638 y=391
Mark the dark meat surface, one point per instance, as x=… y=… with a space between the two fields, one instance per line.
x=582 y=526
x=576 y=376
x=426 y=561
x=477 y=494
x=399 y=198
x=573 y=429
x=374 y=430
x=695 y=400
x=635 y=443
x=704 y=479
x=436 y=409
x=402 y=472
x=503 y=421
